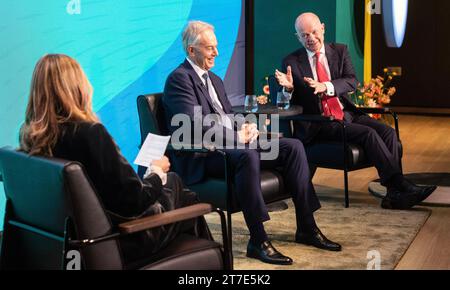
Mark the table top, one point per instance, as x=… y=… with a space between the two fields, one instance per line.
x=270 y=109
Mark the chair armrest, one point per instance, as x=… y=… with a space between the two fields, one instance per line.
x=383 y=111
x=192 y=148
x=313 y=118
x=177 y=215
x=203 y=148
x=368 y=110
x=165 y=218
x=153 y=221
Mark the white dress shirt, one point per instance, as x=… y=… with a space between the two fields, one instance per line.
x=212 y=92
x=324 y=61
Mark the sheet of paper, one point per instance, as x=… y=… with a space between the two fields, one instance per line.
x=153 y=149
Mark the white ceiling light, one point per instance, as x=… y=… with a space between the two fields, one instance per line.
x=395 y=16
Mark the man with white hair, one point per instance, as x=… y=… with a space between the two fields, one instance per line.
x=319 y=77
x=192 y=85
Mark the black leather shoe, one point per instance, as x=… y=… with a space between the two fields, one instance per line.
x=318 y=240
x=396 y=199
x=425 y=191
x=422 y=192
x=267 y=254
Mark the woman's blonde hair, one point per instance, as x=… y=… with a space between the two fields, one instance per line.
x=60 y=92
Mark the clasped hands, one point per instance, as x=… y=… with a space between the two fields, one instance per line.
x=286 y=80
x=248 y=133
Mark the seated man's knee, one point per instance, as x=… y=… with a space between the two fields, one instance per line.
x=392 y=133
x=248 y=155
x=372 y=133
x=294 y=145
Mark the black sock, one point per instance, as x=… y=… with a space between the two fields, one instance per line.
x=395 y=181
x=257 y=234
x=306 y=224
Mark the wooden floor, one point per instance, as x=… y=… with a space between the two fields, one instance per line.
x=426 y=142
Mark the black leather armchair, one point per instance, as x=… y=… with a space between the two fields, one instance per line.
x=52 y=209
x=218 y=192
x=343 y=155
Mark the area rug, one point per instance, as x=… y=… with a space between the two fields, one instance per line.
x=368 y=234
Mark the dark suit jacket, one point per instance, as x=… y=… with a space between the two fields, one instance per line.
x=183 y=91
x=342 y=77
x=120 y=189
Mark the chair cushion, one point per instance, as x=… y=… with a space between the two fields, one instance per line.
x=187 y=253
x=272 y=186
x=330 y=155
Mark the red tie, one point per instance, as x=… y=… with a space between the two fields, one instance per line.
x=330 y=104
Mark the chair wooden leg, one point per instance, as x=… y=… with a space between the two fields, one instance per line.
x=347 y=202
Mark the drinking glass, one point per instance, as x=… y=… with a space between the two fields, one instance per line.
x=283 y=101
x=251 y=103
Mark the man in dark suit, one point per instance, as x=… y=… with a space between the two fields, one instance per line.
x=319 y=77
x=192 y=86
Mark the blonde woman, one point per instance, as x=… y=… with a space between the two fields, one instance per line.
x=60 y=123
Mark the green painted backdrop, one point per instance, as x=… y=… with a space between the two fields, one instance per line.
x=274 y=31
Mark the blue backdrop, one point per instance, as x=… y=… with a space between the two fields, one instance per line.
x=127 y=48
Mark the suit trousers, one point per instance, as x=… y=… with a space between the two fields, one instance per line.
x=379 y=141
x=247 y=165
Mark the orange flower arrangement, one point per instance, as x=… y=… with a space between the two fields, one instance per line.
x=376 y=93
x=264 y=98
